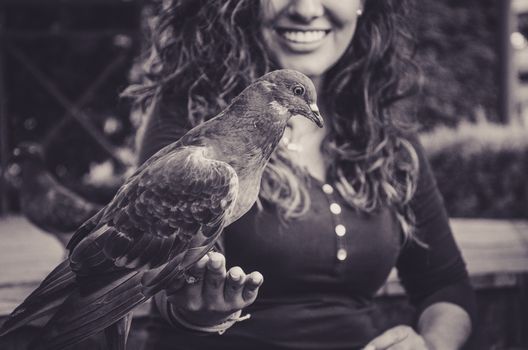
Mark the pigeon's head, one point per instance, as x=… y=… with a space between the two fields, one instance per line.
x=293 y=92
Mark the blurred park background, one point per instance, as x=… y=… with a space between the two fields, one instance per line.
x=63 y=64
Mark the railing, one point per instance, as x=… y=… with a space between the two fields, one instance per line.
x=19 y=58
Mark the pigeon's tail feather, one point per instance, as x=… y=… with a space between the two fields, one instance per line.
x=83 y=316
x=43 y=301
x=117 y=334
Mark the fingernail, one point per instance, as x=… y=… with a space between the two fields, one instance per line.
x=235 y=276
x=201 y=263
x=257 y=281
x=216 y=263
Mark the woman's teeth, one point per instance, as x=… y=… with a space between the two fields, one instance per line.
x=304 y=36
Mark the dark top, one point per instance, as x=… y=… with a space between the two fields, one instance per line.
x=310 y=298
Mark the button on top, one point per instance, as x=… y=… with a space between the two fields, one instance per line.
x=341 y=254
x=340 y=230
x=328 y=189
x=335 y=208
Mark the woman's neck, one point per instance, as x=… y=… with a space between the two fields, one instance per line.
x=318 y=83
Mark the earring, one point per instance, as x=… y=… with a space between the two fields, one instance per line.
x=359 y=12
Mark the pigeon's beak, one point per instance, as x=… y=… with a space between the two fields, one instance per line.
x=316 y=115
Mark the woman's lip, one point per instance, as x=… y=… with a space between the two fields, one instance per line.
x=300 y=29
x=297 y=29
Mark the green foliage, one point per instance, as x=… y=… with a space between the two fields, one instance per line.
x=457 y=50
x=481 y=169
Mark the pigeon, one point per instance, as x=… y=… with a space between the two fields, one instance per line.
x=43 y=200
x=166 y=216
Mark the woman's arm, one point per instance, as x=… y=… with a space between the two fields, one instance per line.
x=441 y=326
x=444 y=326
x=436 y=273
x=435 y=277
x=160 y=126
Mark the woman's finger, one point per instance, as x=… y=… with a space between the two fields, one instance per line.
x=233 y=286
x=196 y=272
x=215 y=274
x=391 y=337
x=190 y=294
x=194 y=276
x=253 y=281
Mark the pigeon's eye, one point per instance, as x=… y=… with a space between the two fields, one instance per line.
x=298 y=90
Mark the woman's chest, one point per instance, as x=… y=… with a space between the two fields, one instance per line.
x=331 y=248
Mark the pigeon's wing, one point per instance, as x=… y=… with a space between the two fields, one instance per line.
x=178 y=200
x=161 y=221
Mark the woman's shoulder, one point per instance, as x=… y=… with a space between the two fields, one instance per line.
x=160 y=126
x=412 y=138
x=425 y=182
x=411 y=143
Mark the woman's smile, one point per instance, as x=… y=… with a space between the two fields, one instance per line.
x=309 y=36
x=302 y=40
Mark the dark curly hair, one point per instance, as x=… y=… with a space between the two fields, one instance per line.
x=204 y=52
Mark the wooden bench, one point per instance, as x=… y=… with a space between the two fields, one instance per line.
x=495 y=251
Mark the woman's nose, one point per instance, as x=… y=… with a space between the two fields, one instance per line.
x=306 y=10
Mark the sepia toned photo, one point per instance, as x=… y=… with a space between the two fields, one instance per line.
x=263 y=174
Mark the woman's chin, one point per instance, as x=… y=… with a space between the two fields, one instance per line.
x=309 y=67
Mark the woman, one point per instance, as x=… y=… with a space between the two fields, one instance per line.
x=339 y=207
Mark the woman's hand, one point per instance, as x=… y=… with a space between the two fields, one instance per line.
x=398 y=338
x=216 y=294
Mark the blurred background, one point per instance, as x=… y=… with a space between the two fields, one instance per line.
x=63 y=64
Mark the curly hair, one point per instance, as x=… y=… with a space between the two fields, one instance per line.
x=204 y=53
